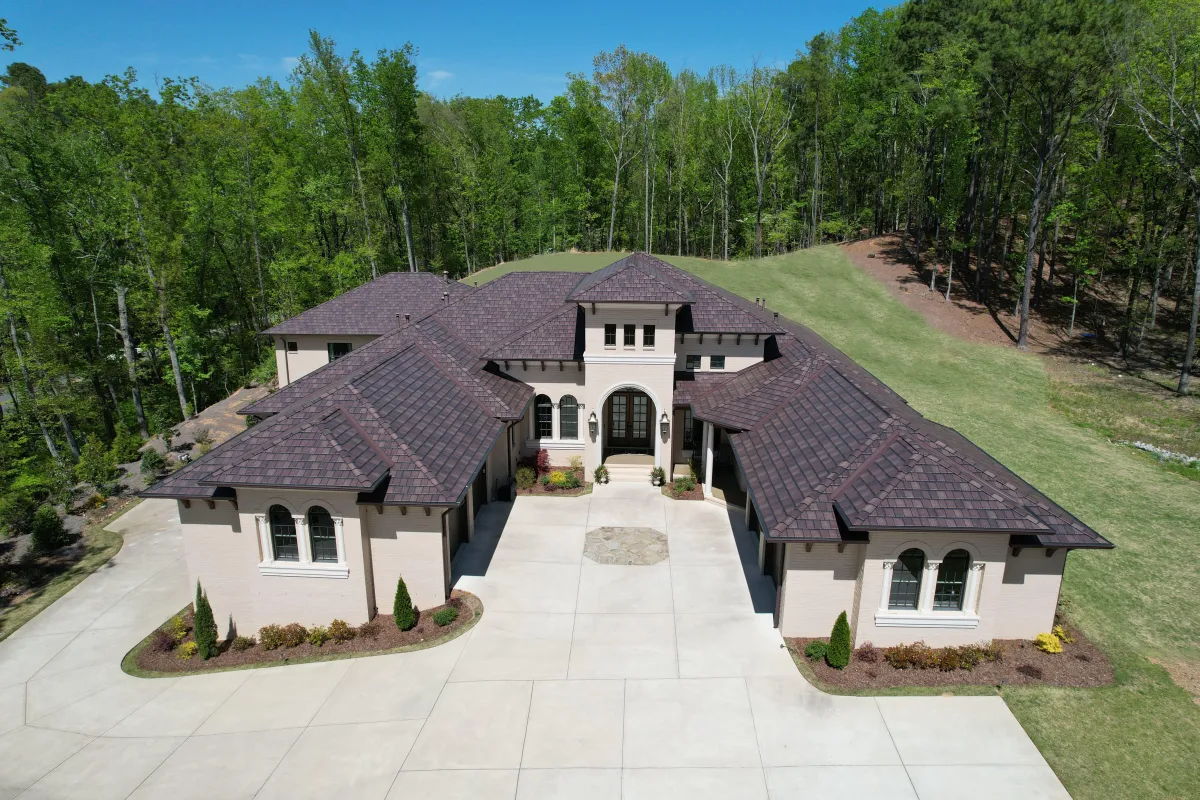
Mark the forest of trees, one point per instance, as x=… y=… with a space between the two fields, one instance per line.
x=1036 y=153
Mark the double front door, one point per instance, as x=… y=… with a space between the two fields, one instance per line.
x=628 y=423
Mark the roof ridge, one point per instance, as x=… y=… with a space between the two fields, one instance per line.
x=844 y=482
x=474 y=398
x=530 y=328
x=354 y=423
x=399 y=444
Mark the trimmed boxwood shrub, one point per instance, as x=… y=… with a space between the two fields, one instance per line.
x=816 y=649
x=838 y=655
x=444 y=616
x=402 y=609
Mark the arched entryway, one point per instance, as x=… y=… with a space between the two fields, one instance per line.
x=629 y=424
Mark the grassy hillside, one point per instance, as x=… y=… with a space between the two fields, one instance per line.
x=1140 y=737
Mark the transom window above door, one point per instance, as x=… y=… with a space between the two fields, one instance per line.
x=339 y=349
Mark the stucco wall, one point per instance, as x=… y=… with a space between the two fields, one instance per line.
x=1029 y=593
x=818 y=585
x=223 y=552
x=638 y=314
x=408 y=545
x=738 y=356
x=311 y=354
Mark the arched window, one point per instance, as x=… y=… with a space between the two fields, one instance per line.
x=283 y=534
x=568 y=418
x=320 y=531
x=543 y=417
x=906 y=580
x=951 y=580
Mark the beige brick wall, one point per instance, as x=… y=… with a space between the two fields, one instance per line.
x=1029 y=593
x=408 y=545
x=223 y=552
x=817 y=586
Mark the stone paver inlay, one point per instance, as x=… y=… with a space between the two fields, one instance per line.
x=628 y=546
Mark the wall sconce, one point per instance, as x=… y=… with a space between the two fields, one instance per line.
x=665 y=425
x=593 y=424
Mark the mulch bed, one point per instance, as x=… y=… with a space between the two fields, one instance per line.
x=146 y=658
x=1080 y=664
x=696 y=493
x=541 y=488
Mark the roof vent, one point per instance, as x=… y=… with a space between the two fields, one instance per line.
x=398 y=320
x=407 y=317
x=446 y=298
x=777 y=316
x=446 y=276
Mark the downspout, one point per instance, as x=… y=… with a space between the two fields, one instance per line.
x=287 y=367
x=446 y=551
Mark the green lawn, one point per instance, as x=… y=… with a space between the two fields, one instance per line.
x=1140 y=737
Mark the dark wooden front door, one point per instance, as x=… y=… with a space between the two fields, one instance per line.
x=628 y=423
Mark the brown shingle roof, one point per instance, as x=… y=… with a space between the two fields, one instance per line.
x=637 y=278
x=371 y=309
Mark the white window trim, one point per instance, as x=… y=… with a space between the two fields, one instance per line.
x=305 y=567
x=925 y=616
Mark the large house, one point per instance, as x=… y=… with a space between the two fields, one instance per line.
x=405 y=405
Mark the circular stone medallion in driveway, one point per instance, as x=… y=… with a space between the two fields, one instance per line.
x=632 y=546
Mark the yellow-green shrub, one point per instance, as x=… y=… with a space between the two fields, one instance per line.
x=187 y=650
x=558 y=479
x=1048 y=643
x=1062 y=635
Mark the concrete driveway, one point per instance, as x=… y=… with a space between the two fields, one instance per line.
x=582 y=680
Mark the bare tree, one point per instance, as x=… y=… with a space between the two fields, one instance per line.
x=613 y=73
x=760 y=106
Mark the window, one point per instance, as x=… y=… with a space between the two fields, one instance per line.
x=692 y=363
x=610 y=335
x=568 y=418
x=292 y=347
x=906 y=580
x=689 y=422
x=339 y=349
x=640 y=416
x=647 y=336
x=543 y=415
x=716 y=362
x=321 y=532
x=630 y=335
x=283 y=534
x=951 y=580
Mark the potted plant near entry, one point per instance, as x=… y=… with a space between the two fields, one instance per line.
x=601 y=474
x=658 y=476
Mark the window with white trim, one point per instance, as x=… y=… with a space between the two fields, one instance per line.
x=543 y=416
x=906 y=580
x=568 y=417
x=951 y=584
x=284 y=546
x=322 y=535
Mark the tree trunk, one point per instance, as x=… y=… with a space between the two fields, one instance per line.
x=130 y=364
x=408 y=237
x=16 y=343
x=1031 y=239
x=1185 y=374
x=612 y=216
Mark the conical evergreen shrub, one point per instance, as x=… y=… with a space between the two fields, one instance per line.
x=838 y=654
x=204 y=628
x=402 y=610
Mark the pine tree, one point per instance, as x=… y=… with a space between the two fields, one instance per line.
x=402 y=610
x=204 y=628
x=838 y=655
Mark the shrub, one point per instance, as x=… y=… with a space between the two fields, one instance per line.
x=991 y=651
x=241 y=643
x=271 y=637
x=96 y=464
x=1031 y=671
x=369 y=630
x=816 y=650
x=949 y=659
x=526 y=477
x=1064 y=637
x=47 y=533
x=187 y=650
x=572 y=481
x=340 y=631
x=444 y=616
x=969 y=656
x=542 y=461
x=202 y=436
x=544 y=480
x=318 y=635
x=575 y=463
x=867 y=653
x=294 y=635
x=17 y=509
x=163 y=641
x=177 y=627
x=600 y=474
x=153 y=463
x=910 y=656
x=204 y=628
x=125 y=446
x=1048 y=643
x=203 y=449
x=402 y=608
x=838 y=655
x=558 y=479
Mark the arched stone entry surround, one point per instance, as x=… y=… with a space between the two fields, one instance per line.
x=629 y=423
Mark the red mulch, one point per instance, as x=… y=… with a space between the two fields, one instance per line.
x=696 y=493
x=389 y=637
x=540 y=488
x=1080 y=664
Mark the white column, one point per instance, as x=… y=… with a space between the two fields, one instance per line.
x=928 y=584
x=264 y=538
x=708 y=459
x=555 y=423
x=971 y=590
x=885 y=592
x=302 y=544
x=338 y=540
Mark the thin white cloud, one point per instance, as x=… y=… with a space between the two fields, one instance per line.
x=289 y=62
x=439 y=76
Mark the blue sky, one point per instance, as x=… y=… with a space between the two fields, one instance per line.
x=474 y=48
